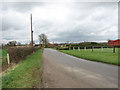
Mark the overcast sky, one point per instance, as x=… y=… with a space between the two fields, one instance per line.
x=61 y=22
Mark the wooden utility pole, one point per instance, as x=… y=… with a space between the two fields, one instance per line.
x=31 y=31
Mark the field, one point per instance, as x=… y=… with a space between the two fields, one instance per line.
x=106 y=55
x=27 y=74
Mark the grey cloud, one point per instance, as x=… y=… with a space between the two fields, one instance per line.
x=81 y=24
x=21 y=6
x=7 y=38
x=92 y=5
x=7 y=25
x=75 y=36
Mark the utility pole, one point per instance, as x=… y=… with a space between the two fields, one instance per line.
x=31 y=32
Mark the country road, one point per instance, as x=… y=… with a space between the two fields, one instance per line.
x=65 y=71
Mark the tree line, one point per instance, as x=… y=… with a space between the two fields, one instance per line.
x=43 y=41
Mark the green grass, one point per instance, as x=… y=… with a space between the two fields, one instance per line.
x=27 y=74
x=104 y=50
x=3 y=55
x=106 y=56
x=0 y=53
x=53 y=48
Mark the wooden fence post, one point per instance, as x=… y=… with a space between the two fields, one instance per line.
x=8 y=59
x=102 y=48
x=92 y=48
x=73 y=48
x=113 y=49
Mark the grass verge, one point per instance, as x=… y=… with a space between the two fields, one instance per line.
x=3 y=55
x=53 y=48
x=106 y=57
x=27 y=74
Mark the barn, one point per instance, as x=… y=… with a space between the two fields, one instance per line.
x=114 y=42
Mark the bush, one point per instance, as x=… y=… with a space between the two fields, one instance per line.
x=63 y=48
x=20 y=53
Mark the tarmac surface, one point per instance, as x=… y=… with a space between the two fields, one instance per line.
x=65 y=71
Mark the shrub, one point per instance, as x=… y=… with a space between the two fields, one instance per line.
x=20 y=53
x=63 y=48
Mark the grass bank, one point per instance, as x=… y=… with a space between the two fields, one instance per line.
x=27 y=74
x=99 y=56
x=3 y=55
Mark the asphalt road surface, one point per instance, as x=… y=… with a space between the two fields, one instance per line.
x=65 y=71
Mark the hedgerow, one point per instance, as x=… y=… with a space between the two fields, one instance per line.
x=20 y=53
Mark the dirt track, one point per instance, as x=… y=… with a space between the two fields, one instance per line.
x=64 y=71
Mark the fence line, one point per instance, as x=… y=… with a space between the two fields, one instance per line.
x=94 y=47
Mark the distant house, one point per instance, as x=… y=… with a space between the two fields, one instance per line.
x=114 y=42
x=50 y=44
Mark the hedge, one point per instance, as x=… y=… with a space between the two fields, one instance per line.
x=20 y=53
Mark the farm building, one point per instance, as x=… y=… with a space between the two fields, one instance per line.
x=114 y=42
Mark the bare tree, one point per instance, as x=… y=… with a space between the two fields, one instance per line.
x=43 y=39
